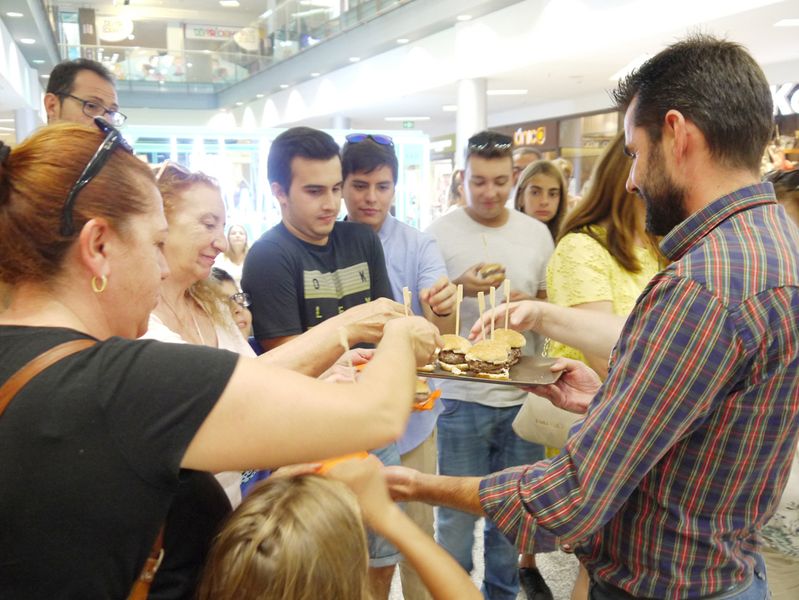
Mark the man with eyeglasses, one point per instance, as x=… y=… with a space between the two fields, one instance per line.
x=370 y=169
x=475 y=436
x=79 y=90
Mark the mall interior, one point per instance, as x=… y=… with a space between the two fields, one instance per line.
x=209 y=83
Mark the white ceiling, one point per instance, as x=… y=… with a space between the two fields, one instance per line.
x=565 y=57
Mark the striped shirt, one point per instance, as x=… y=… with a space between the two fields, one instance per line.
x=686 y=448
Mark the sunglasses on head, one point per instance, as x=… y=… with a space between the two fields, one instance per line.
x=357 y=138
x=113 y=139
x=488 y=141
x=171 y=164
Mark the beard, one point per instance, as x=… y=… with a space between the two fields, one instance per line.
x=665 y=200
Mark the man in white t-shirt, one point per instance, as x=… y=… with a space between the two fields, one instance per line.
x=474 y=431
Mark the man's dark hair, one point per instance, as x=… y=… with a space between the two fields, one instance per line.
x=490 y=144
x=716 y=85
x=304 y=142
x=62 y=77
x=366 y=156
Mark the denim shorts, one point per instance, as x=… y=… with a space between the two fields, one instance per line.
x=382 y=553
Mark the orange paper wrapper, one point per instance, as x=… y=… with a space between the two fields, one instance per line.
x=429 y=403
x=332 y=462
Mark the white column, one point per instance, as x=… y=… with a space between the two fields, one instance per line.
x=25 y=122
x=471 y=116
x=341 y=122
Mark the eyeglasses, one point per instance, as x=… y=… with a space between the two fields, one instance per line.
x=113 y=139
x=357 y=138
x=95 y=109
x=488 y=141
x=241 y=298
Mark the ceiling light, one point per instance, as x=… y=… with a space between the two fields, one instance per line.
x=7 y=129
x=259 y=96
x=45 y=76
x=464 y=17
x=6 y=120
x=27 y=41
x=315 y=74
x=14 y=15
x=354 y=59
x=239 y=103
x=189 y=65
x=37 y=61
x=450 y=108
x=229 y=3
x=284 y=86
x=506 y=92
x=403 y=40
x=787 y=23
x=398 y=119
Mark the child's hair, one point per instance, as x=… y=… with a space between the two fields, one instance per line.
x=293 y=538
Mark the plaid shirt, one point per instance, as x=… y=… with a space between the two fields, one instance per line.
x=686 y=448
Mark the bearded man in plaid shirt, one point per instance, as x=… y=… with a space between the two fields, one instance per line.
x=685 y=449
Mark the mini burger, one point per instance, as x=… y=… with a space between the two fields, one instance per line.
x=453 y=353
x=514 y=339
x=489 y=359
x=492 y=272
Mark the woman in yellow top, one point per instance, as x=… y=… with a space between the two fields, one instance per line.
x=603 y=258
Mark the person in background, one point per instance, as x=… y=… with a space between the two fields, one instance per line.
x=541 y=193
x=232 y=259
x=455 y=197
x=79 y=90
x=237 y=300
x=475 y=436
x=310 y=267
x=103 y=436
x=704 y=371
x=522 y=157
x=566 y=167
x=781 y=533
x=413 y=260
x=263 y=551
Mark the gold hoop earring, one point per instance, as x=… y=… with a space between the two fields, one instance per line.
x=99 y=289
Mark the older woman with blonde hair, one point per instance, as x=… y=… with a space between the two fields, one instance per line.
x=98 y=428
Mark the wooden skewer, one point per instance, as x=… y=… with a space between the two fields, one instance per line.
x=458 y=300
x=493 y=298
x=481 y=305
x=406 y=300
x=506 y=289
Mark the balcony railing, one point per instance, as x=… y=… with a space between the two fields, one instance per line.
x=290 y=28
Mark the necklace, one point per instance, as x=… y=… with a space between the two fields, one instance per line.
x=181 y=323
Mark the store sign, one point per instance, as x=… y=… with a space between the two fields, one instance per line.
x=785 y=98
x=530 y=137
x=114 y=29
x=248 y=39
x=210 y=32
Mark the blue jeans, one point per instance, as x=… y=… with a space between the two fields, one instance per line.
x=475 y=440
x=754 y=589
x=382 y=553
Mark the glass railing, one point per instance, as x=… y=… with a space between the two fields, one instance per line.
x=229 y=55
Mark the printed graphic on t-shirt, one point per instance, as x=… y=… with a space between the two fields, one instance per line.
x=328 y=294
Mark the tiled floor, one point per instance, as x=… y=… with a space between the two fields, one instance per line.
x=559 y=570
